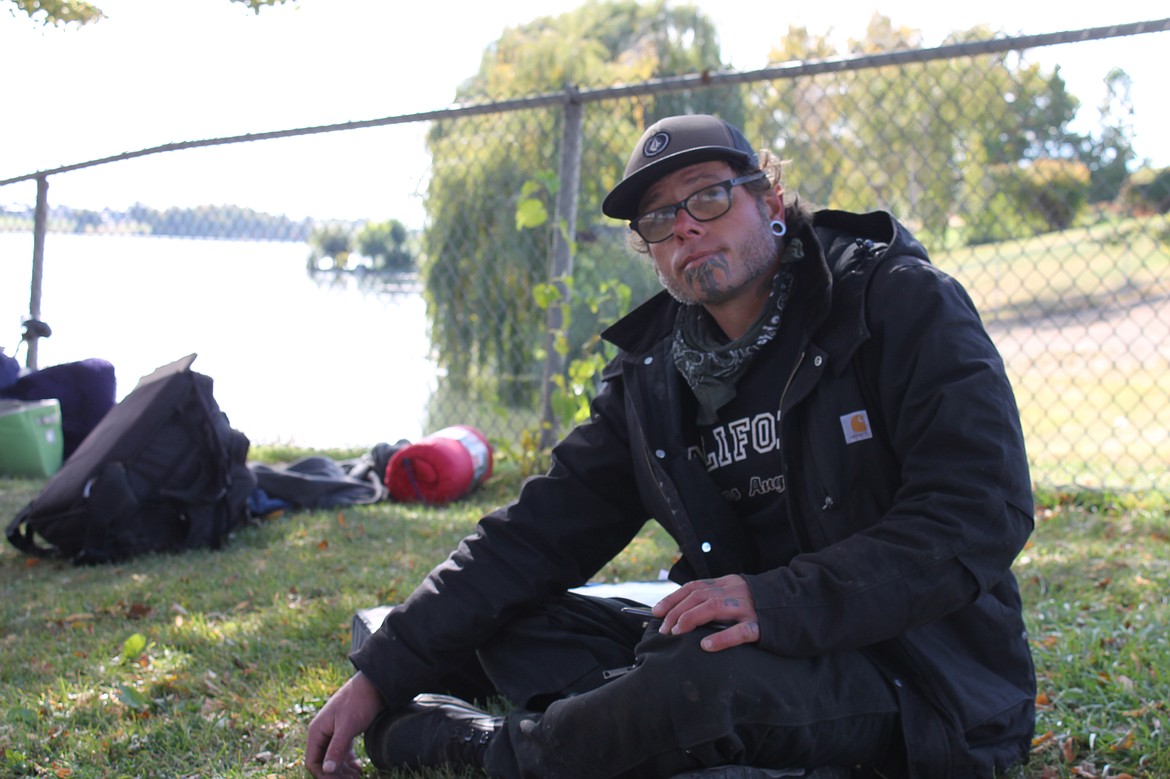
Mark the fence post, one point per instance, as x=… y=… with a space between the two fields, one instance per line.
x=40 y=225
x=561 y=262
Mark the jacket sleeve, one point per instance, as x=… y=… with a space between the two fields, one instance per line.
x=953 y=508
x=562 y=529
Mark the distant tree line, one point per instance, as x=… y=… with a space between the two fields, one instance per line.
x=384 y=247
x=227 y=222
x=224 y=222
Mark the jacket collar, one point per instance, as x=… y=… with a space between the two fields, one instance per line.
x=842 y=250
x=855 y=245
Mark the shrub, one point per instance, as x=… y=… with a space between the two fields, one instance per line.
x=1147 y=191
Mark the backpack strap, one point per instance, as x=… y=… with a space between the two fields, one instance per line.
x=20 y=535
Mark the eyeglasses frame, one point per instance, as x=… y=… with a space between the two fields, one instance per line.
x=681 y=205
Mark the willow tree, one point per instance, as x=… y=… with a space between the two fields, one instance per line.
x=481 y=267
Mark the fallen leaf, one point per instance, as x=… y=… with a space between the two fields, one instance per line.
x=138 y=611
x=1126 y=742
x=341 y=519
x=1068 y=749
x=323 y=544
x=132 y=698
x=1040 y=741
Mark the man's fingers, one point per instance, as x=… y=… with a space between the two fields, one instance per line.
x=334 y=766
x=742 y=633
x=316 y=746
x=340 y=759
x=329 y=748
x=703 y=602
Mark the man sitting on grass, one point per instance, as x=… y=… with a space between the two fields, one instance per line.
x=817 y=416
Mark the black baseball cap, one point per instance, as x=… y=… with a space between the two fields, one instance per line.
x=670 y=144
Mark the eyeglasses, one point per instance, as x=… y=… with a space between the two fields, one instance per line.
x=708 y=203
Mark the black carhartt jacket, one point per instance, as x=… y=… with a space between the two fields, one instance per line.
x=907 y=486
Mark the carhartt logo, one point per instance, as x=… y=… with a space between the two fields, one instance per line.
x=856 y=427
x=656 y=144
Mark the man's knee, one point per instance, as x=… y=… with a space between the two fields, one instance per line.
x=569 y=646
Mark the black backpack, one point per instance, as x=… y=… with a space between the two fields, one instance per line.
x=163 y=471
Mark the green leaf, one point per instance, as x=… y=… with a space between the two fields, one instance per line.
x=133 y=647
x=132 y=699
x=22 y=714
x=530 y=213
x=14 y=759
x=546 y=294
x=530 y=188
x=549 y=180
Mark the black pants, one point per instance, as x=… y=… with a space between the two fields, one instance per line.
x=603 y=695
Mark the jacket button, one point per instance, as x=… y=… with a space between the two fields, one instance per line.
x=706 y=547
x=660 y=454
x=648 y=360
x=829 y=502
x=818 y=360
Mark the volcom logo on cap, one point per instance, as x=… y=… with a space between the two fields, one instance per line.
x=656 y=144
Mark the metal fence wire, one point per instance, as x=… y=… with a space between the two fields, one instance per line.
x=1063 y=249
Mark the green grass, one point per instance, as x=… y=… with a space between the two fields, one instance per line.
x=212 y=663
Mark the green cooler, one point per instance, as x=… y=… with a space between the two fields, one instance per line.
x=31 y=443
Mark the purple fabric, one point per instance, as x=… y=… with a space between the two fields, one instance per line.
x=85 y=390
x=9 y=371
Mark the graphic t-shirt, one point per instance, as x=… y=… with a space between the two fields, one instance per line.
x=741 y=451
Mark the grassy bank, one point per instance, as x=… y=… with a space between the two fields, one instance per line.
x=212 y=663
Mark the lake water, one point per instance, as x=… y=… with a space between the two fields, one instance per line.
x=293 y=361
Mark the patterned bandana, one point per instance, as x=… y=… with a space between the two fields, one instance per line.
x=711 y=365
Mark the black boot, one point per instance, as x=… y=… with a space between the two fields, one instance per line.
x=434 y=731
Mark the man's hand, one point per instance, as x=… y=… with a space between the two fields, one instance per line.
x=726 y=600
x=329 y=747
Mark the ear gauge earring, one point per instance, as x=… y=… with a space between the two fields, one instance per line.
x=778 y=228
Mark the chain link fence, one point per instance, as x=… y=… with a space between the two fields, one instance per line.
x=1063 y=249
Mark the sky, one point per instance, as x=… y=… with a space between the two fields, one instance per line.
x=160 y=72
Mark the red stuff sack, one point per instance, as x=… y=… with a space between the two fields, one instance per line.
x=442 y=467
